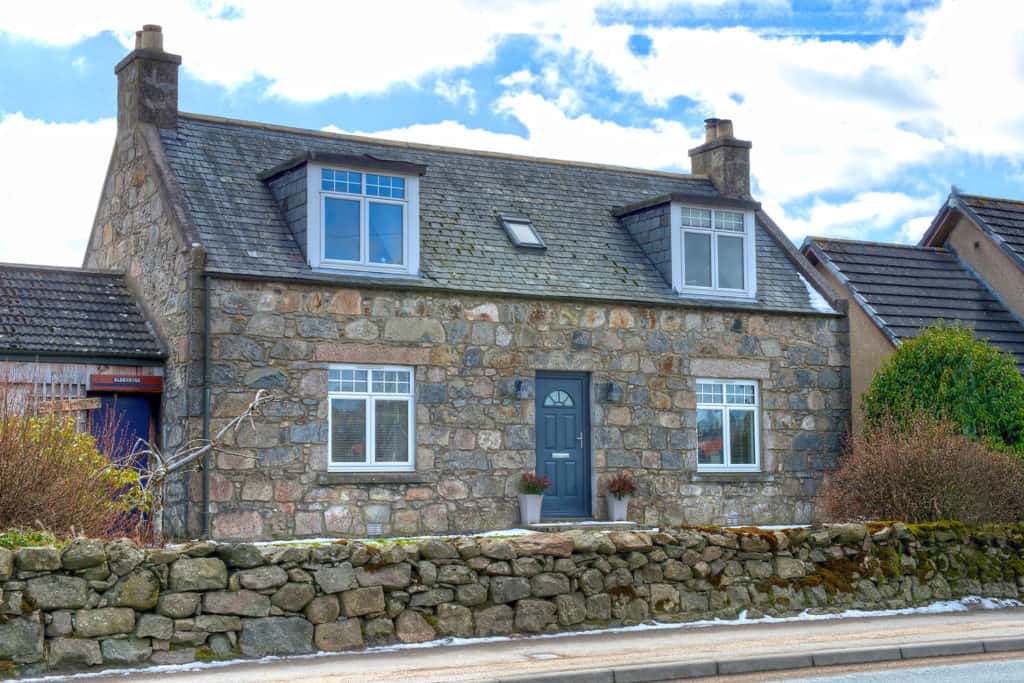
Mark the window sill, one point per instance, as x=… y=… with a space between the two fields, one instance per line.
x=331 y=478
x=717 y=295
x=729 y=477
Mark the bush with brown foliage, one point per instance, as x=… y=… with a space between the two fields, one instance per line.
x=923 y=470
x=55 y=478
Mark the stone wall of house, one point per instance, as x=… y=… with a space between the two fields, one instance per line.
x=115 y=605
x=475 y=361
x=136 y=233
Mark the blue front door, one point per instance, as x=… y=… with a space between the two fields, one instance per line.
x=563 y=442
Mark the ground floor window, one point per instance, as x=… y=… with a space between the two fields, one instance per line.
x=727 y=426
x=371 y=418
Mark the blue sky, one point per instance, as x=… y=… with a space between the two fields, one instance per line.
x=862 y=114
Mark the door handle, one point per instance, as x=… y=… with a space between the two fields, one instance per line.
x=580 y=439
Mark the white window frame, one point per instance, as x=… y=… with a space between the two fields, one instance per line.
x=749 y=291
x=316 y=244
x=370 y=397
x=726 y=408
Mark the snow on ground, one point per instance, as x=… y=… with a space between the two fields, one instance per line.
x=972 y=602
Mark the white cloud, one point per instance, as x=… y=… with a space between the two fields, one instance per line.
x=554 y=133
x=867 y=216
x=454 y=91
x=50 y=191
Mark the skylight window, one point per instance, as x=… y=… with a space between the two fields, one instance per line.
x=521 y=231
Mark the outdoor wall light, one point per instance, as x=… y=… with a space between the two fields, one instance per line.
x=614 y=392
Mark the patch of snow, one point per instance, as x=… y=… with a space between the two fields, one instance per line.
x=768 y=527
x=971 y=602
x=588 y=522
x=818 y=302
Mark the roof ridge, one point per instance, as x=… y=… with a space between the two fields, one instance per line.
x=996 y=199
x=875 y=243
x=61 y=269
x=439 y=148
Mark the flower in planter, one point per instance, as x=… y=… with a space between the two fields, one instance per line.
x=621 y=485
x=533 y=485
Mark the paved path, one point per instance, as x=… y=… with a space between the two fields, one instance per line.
x=538 y=656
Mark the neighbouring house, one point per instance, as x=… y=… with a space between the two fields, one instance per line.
x=437 y=321
x=968 y=267
x=76 y=341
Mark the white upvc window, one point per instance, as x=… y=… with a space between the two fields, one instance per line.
x=714 y=250
x=728 y=426
x=371 y=418
x=362 y=221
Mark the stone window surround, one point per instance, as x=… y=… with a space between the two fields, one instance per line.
x=314 y=223
x=727 y=407
x=371 y=397
x=749 y=257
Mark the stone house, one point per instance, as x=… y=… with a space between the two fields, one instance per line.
x=968 y=267
x=437 y=321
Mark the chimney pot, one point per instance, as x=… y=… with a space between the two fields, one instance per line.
x=152 y=38
x=710 y=130
x=138 y=40
x=723 y=158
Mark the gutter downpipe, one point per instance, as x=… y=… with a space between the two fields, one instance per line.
x=206 y=404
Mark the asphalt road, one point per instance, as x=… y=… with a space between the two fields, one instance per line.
x=984 y=671
x=528 y=657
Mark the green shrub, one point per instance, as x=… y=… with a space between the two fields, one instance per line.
x=948 y=374
x=55 y=478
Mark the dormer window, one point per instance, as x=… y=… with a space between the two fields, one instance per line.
x=715 y=252
x=363 y=221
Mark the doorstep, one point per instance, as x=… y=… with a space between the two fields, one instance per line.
x=554 y=526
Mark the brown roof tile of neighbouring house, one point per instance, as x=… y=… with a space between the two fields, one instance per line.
x=48 y=311
x=905 y=288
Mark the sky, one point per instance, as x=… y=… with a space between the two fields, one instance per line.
x=862 y=113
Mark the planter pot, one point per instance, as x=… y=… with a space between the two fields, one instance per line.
x=529 y=507
x=618 y=508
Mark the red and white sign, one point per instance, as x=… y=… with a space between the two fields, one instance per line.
x=149 y=384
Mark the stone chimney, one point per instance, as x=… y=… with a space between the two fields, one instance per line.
x=147 y=82
x=724 y=159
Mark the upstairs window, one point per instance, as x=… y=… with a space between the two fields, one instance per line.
x=363 y=222
x=727 y=426
x=363 y=218
x=521 y=231
x=717 y=251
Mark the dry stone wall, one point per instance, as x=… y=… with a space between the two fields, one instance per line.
x=92 y=604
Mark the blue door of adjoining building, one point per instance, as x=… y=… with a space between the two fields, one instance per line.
x=563 y=442
x=129 y=416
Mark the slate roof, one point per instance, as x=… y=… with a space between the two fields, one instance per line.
x=589 y=254
x=1003 y=217
x=905 y=288
x=71 y=312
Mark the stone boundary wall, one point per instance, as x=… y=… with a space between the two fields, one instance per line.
x=94 y=604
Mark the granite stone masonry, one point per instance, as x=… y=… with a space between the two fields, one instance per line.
x=348 y=595
x=475 y=363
